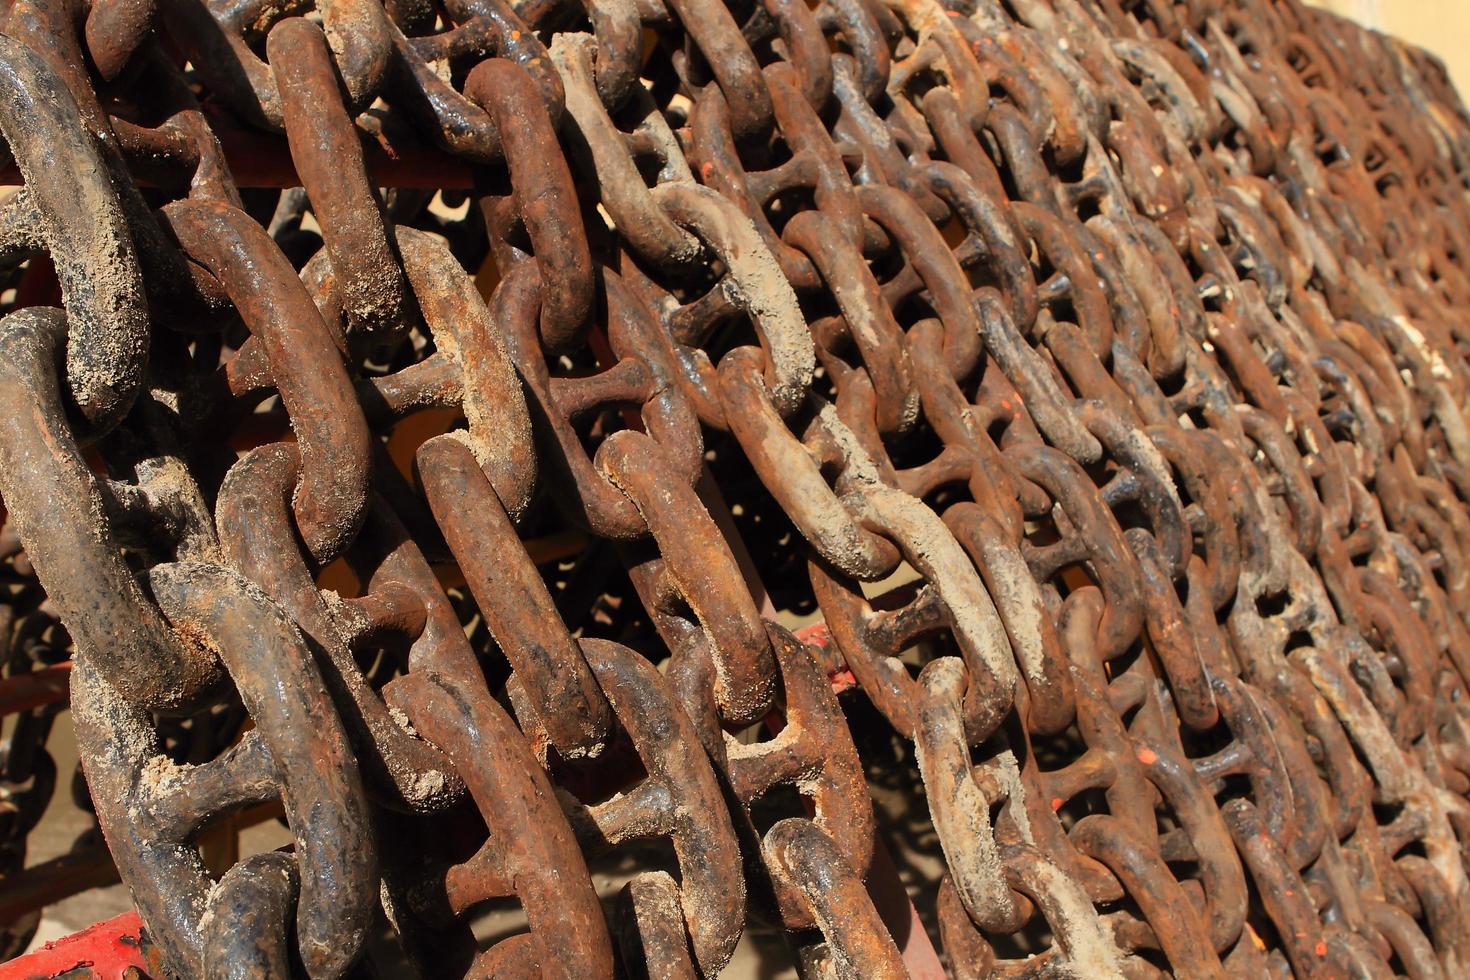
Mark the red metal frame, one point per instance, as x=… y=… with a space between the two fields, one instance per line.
x=109 y=950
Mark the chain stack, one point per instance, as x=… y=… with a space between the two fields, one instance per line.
x=1130 y=334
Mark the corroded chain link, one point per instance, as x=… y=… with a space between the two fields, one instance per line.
x=428 y=421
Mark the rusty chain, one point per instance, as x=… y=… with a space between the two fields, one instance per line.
x=464 y=393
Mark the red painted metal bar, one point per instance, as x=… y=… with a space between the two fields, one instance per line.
x=116 y=949
x=25 y=692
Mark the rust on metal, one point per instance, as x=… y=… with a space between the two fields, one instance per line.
x=429 y=423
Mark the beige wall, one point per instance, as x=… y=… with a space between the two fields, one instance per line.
x=1441 y=26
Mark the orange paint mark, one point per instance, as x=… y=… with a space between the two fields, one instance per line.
x=817 y=634
x=1321 y=949
x=1147 y=756
x=1056 y=804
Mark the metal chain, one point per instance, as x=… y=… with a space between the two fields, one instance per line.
x=462 y=392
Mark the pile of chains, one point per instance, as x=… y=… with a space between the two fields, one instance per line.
x=439 y=472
